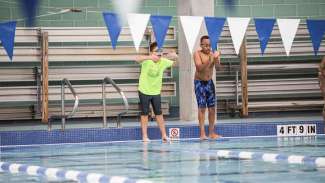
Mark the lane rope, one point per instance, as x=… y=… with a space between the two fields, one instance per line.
x=60 y=174
x=266 y=157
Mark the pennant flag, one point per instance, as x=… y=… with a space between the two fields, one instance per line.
x=138 y=24
x=214 y=26
x=7 y=37
x=288 y=29
x=113 y=26
x=160 y=26
x=237 y=27
x=29 y=8
x=191 y=26
x=316 y=30
x=264 y=29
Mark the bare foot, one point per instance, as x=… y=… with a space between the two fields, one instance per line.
x=203 y=137
x=214 y=136
x=165 y=139
x=145 y=139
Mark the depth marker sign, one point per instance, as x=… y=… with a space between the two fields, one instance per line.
x=297 y=130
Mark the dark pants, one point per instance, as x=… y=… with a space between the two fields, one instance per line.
x=145 y=101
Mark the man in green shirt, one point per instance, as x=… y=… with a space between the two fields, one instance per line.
x=150 y=83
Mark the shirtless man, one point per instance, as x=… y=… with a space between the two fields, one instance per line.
x=205 y=60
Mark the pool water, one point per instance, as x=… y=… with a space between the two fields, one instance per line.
x=178 y=161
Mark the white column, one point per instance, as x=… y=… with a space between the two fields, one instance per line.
x=188 y=105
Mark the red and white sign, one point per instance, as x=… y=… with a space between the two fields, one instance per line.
x=174 y=133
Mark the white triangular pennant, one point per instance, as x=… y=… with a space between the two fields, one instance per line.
x=288 y=29
x=237 y=27
x=191 y=26
x=138 y=24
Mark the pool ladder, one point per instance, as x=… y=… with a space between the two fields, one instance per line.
x=109 y=80
x=64 y=116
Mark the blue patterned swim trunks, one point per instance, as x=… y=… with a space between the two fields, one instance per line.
x=205 y=93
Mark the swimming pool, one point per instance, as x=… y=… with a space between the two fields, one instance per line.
x=188 y=160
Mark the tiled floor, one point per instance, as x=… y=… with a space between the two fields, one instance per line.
x=97 y=123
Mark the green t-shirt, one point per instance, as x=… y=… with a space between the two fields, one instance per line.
x=150 y=81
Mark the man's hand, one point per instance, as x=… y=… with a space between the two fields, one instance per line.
x=216 y=56
x=171 y=55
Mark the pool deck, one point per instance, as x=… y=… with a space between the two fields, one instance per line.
x=91 y=130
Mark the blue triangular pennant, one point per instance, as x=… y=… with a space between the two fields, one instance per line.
x=214 y=26
x=264 y=29
x=29 y=8
x=160 y=26
x=316 y=30
x=7 y=37
x=113 y=26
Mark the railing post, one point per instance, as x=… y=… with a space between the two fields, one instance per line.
x=126 y=104
x=63 y=116
x=45 y=87
x=104 y=104
x=244 y=81
x=62 y=104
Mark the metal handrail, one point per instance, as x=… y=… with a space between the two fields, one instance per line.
x=107 y=80
x=63 y=116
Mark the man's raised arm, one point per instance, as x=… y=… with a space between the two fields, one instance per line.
x=141 y=58
x=198 y=62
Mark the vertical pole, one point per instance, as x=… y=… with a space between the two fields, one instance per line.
x=244 y=81
x=45 y=82
x=62 y=104
x=104 y=104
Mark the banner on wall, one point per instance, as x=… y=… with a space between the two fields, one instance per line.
x=7 y=37
x=214 y=27
x=237 y=27
x=113 y=26
x=316 y=30
x=288 y=29
x=191 y=27
x=160 y=25
x=264 y=28
x=138 y=24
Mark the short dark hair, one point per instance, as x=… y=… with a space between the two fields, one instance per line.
x=204 y=37
x=153 y=45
